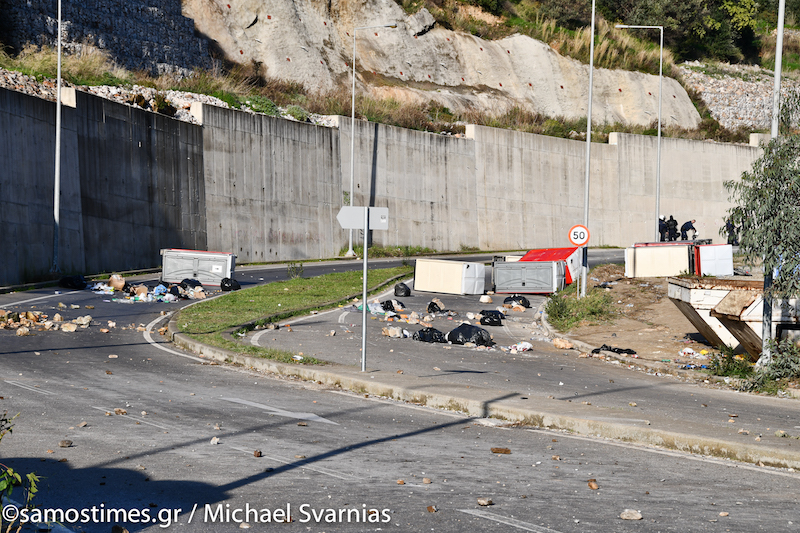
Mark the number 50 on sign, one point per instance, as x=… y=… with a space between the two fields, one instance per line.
x=578 y=235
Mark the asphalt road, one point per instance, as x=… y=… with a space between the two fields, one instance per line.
x=325 y=454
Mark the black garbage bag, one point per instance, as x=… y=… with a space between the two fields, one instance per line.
x=607 y=348
x=398 y=305
x=72 y=282
x=433 y=307
x=401 y=289
x=519 y=299
x=491 y=320
x=387 y=305
x=228 y=284
x=469 y=333
x=429 y=335
x=188 y=283
x=175 y=290
x=492 y=312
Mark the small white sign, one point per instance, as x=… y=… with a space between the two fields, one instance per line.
x=579 y=235
x=352 y=217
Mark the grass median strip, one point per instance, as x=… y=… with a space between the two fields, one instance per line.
x=208 y=321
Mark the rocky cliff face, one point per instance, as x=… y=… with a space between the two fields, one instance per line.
x=311 y=42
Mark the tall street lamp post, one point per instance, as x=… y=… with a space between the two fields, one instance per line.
x=57 y=181
x=658 y=150
x=585 y=260
x=350 y=252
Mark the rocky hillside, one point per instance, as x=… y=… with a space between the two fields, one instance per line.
x=310 y=41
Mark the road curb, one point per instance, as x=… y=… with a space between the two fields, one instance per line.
x=489 y=403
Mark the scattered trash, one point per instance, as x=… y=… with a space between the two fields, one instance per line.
x=436 y=306
x=517 y=299
x=402 y=290
x=426 y=481
x=297 y=357
x=432 y=509
x=257 y=453
x=429 y=335
x=485 y=502
x=467 y=333
x=65 y=443
x=491 y=320
x=120 y=411
x=521 y=346
x=116 y=282
x=214 y=440
x=562 y=344
x=486 y=299
x=593 y=484
x=504 y=451
x=401 y=482
x=607 y=348
x=228 y=284
x=394 y=332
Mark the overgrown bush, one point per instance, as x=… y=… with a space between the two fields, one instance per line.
x=297 y=113
x=726 y=363
x=565 y=310
x=784 y=366
x=261 y=104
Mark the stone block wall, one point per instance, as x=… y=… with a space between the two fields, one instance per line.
x=150 y=35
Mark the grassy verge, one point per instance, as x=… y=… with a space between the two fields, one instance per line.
x=208 y=321
x=565 y=310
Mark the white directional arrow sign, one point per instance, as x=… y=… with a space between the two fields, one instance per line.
x=352 y=217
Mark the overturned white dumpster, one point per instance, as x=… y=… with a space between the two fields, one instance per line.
x=730 y=311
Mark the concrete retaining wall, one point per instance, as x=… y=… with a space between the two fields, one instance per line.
x=272 y=185
x=269 y=189
x=131 y=184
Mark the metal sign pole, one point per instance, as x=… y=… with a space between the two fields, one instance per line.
x=364 y=305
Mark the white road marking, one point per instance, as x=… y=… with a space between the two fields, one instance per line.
x=281 y=412
x=519 y=524
x=302 y=462
x=675 y=453
x=131 y=418
x=42 y=298
x=149 y=339
x=28 y=387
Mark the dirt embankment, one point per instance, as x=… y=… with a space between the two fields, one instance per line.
x=647 y=321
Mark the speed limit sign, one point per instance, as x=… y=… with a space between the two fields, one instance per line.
x=579 y=235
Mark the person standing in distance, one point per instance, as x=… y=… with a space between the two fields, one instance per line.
x=688 y=226
x=672 y=229
x=662 y=228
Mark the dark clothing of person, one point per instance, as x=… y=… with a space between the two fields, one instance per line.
x=732 y=237
x=685 y=228
x=672 y=228
x=662 y=230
